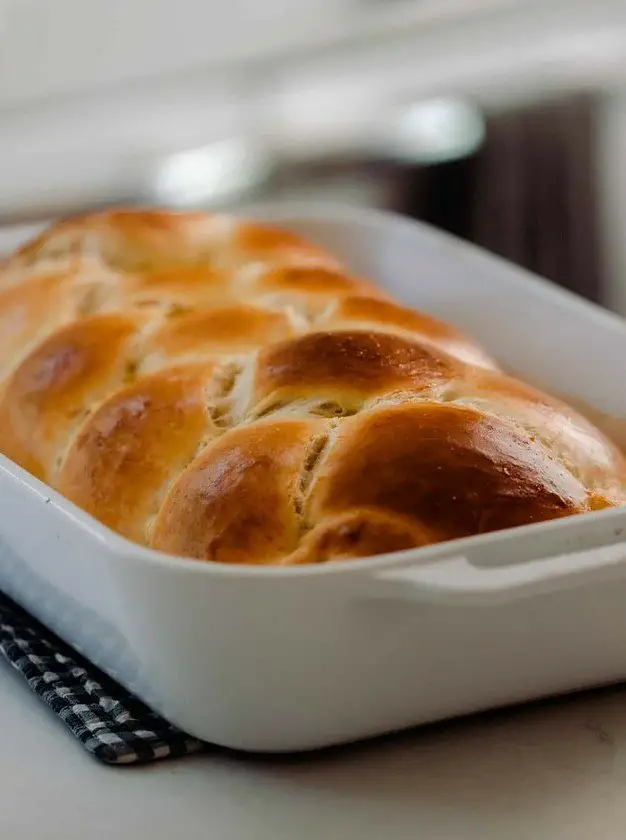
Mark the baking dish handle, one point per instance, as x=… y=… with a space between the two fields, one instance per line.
x=456 y=580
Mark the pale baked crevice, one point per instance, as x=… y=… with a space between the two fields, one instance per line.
x=131 y=370
x=266 y=409
x=325 y=408
x=219 y=412
x=91 y=300
x=317 y=450
x=222 y=386
x=330 y=408
x=175 y=310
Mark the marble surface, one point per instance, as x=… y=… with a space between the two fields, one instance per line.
x=553 y=770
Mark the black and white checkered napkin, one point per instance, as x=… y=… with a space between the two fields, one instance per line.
x=111 y=724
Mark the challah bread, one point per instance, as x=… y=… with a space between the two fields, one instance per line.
x=227 y=391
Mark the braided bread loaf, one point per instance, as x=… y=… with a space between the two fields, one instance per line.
x=226 y=391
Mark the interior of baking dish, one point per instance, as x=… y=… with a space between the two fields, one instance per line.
x=546 y=335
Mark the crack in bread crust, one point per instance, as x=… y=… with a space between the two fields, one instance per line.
x=228 y=391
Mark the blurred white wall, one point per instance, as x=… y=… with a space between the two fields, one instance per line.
x=52 y=47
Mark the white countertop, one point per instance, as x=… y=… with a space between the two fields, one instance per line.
x=552 y=771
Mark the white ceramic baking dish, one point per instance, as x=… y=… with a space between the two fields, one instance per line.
x=288 y=659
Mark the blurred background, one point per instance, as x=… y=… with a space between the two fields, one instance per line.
x=502 y=121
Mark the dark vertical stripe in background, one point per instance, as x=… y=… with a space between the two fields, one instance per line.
x=529 y=194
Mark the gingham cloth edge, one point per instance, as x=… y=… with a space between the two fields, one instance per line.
x=111 y=724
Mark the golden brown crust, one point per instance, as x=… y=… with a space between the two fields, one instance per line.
x=362 y=532
x=237 y=502
x=230 y=392
x=372 y=314
x=457 y=470
x=174 y=289
x=139 y=240
x=43 y=302
x=347 y=368
x=578 y=444
x=134 y=443
x=309 y=287
x=53 y=388
x=236 y=329
x=30 y=310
